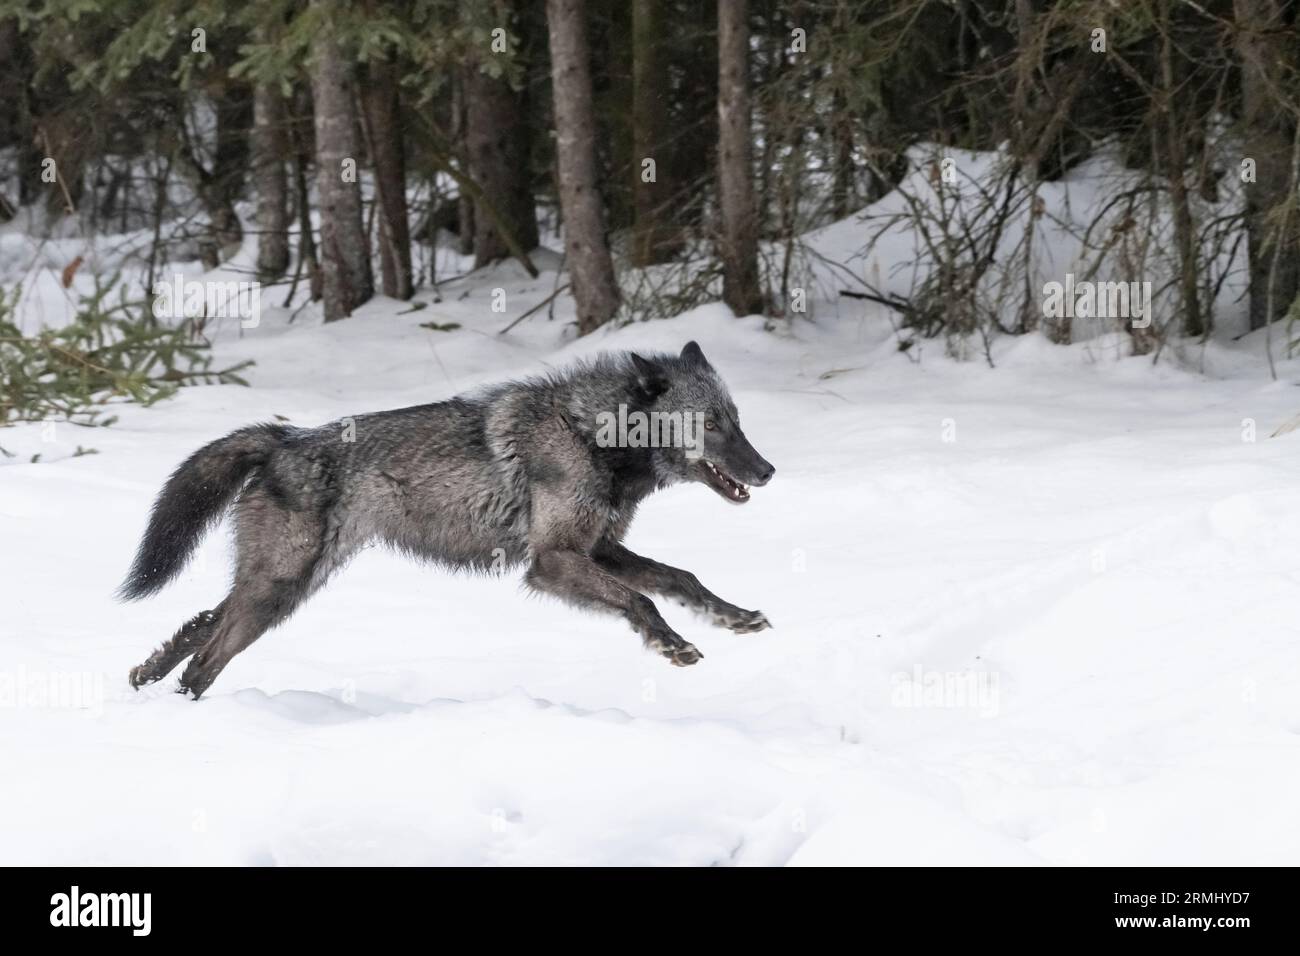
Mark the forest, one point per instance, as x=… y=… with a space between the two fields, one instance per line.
x=677 y=152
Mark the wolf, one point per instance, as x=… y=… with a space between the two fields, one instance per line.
x=508 y=476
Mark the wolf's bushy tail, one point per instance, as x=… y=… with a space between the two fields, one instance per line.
x=194 y=497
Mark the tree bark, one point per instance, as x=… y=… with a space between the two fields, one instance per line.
x=270 y=148
x=1266 y=57
x=695 y=143
x=591 y=270
x=739 y=239
x=384 y=125
x=497 y=149
x=1176 y=169
x=842 y=191
x=611 y=67
x=230 y=162
x=344 y=252
x=464 y=202
x=654 y=237
x=302 y=142
x=16 y=99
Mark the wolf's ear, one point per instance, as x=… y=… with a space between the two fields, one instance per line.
x=694 y=355
x=651 y=379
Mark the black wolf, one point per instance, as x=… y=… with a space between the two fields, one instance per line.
x=521 y=473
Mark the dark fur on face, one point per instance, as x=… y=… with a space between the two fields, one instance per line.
x=511 y=475
x=728 y=462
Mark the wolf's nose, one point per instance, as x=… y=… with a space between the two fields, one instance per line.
x=765 y=474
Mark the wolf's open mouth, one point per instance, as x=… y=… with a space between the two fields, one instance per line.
x=723 y=483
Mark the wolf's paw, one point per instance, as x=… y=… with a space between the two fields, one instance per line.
x=742 y=622
x=152 y=670
x=198 y=677
x=678 y=651
x=684 y=656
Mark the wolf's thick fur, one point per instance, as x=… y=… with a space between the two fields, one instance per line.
x=511 y=475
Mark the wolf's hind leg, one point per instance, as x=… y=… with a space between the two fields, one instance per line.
x=645 y=574
x=188 y=639
x=251 y=610
x=283 y=556
x=573 y=577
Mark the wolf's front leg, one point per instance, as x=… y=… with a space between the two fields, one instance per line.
x=574 y=577
x=648 y=575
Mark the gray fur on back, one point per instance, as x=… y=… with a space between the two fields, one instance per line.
x=452 y=482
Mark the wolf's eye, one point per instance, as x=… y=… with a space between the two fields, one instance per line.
x=708 y=425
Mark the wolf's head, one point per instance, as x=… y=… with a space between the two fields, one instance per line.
x=713 y=450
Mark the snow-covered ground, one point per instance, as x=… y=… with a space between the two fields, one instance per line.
x=1042 y=613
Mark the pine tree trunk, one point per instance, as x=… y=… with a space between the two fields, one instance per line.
x=591 y=271
x=654 y=238
x=13 y=89
x=1263 y=48
x=271 y=184
x=344 y=252
x=695 y=146
x=12 y=79
x=302 y=140
x=15 y=101
x=1175 y=157
x=842 y=192
x=611 y=67
x=384 y=125
x=464 y=202
x=230 y=163
x=496 y=142
x=739 y=240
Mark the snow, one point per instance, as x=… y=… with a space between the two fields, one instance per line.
x=1036 y=614
x=1083 y=203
